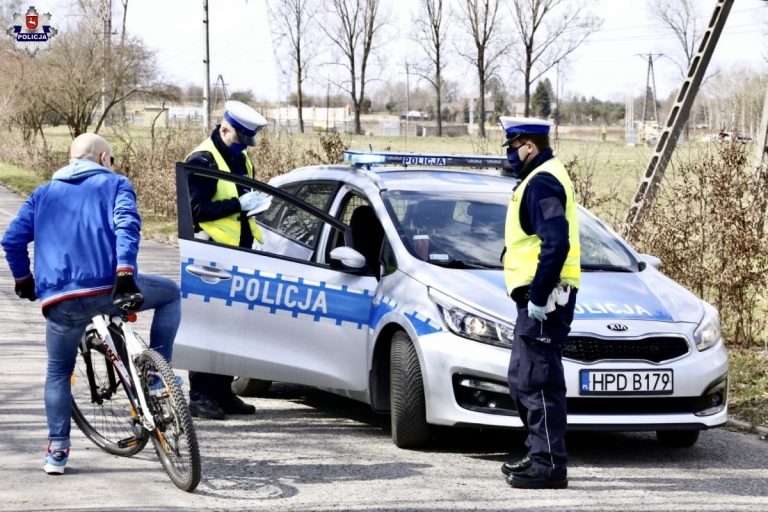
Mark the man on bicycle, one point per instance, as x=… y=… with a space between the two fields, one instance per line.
x=85 y=227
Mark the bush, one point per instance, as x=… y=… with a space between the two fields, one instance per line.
x=42 y=159
x=150 y=164
x=707 y=228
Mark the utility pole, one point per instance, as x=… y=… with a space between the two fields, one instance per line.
x=650 y=80
x=407 y=98
x=328 y=104
x=761 y=141
x=207 y=83
x=557 y=99
x=678 y=116
x=215 y=95
x=106 y=17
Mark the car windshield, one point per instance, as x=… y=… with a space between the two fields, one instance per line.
x=466 y=230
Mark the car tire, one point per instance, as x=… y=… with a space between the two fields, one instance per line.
x=677 y=438
x=408 y=407
x=243 y=386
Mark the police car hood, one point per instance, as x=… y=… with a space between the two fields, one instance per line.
x=647 y=295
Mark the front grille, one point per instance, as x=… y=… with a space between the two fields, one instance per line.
x=657 y=349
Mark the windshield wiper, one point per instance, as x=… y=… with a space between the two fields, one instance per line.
x=605 y=268
x=463 y=264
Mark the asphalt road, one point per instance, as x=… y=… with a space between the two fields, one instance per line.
x=306 y=450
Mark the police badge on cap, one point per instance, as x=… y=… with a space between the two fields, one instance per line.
x=245 y=120
x=517 y=126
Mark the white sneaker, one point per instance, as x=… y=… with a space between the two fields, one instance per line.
x=55 y=461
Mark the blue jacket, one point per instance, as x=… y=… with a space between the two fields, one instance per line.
x=85 y=226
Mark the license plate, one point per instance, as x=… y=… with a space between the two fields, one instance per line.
x=625 y=382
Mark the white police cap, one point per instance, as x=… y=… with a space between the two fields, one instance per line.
x=516 y=126
x=245 y=120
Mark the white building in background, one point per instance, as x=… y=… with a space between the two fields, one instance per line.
x=315 y=118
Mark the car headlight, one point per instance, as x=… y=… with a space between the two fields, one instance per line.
x=708 y=334
x=463 y=321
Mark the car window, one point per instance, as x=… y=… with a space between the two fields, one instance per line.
x=451 y=229
x=294 y=222
x=601 y=249
x=467 y=230
x=317 y=194
x=288 y=227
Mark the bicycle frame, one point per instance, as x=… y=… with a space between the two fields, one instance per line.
x=133 y=348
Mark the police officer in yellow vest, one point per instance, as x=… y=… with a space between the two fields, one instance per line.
x=542 y=273
x=219 y=210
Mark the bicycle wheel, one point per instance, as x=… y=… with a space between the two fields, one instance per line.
x=174 y=438
x=104 y=413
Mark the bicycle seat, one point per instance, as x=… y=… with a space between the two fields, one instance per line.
x=128 y=301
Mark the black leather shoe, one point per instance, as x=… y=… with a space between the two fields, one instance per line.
x=532 y=479
x=204 y=408
x=233 y=405
x=512 y=468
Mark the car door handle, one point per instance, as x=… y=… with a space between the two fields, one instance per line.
x=210 y=275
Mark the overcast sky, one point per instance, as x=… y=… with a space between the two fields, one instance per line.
x=608 y=66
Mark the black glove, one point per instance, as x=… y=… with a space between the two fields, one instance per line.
x=125 y=286
x=26 y=289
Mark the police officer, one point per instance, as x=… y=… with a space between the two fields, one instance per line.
x=542 y=273
x=219 y=211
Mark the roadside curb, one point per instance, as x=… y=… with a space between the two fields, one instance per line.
x=749 y=427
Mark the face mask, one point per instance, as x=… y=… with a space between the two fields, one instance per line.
x=237 y=148
x=513 y=155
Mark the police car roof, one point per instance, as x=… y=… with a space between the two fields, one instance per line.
x=412 y=171
x=422 y=178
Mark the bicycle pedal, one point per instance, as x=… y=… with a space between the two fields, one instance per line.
x=125 y=443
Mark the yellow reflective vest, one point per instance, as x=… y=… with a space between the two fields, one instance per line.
x=521 y=257
x=226 y=230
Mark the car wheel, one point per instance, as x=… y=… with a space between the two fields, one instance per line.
x=677 y=438
x=243 y=386
x=408 y=407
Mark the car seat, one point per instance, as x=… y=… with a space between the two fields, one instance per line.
x=487 y=219
x=428 y=217
x=367 y=236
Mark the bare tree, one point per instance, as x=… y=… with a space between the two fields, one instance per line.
x=431 y=36
x=354 y=27
x=72 y=86
x=296 y=19
x=479 y=17
x=682 y=19
x=544 y=44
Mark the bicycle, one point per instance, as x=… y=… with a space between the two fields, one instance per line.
x=124 y=393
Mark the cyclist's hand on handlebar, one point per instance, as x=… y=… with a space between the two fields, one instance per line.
x=125 y=293
x=25 y=288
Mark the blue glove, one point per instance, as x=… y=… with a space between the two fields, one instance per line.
x=254 y=200
x=536 y=312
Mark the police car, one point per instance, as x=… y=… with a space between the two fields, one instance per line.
x=380 y=280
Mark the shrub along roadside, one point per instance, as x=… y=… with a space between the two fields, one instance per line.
x=707 y=226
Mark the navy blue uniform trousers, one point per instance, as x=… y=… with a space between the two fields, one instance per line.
x=537 y=384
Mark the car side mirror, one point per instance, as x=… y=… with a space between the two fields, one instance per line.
x=647 y=259
x=348 y=257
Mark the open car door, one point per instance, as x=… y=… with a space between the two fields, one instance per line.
x=276 y=311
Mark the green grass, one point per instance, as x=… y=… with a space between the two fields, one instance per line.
x=749 y=385
x=20 y=180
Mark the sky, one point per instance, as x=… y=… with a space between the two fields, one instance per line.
x=607 y=66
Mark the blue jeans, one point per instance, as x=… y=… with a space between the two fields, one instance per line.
x=66 y=323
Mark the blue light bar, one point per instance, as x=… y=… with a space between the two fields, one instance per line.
x=366 y=158
x=360 y=158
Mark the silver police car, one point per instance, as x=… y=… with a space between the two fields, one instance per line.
x=381 y=281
